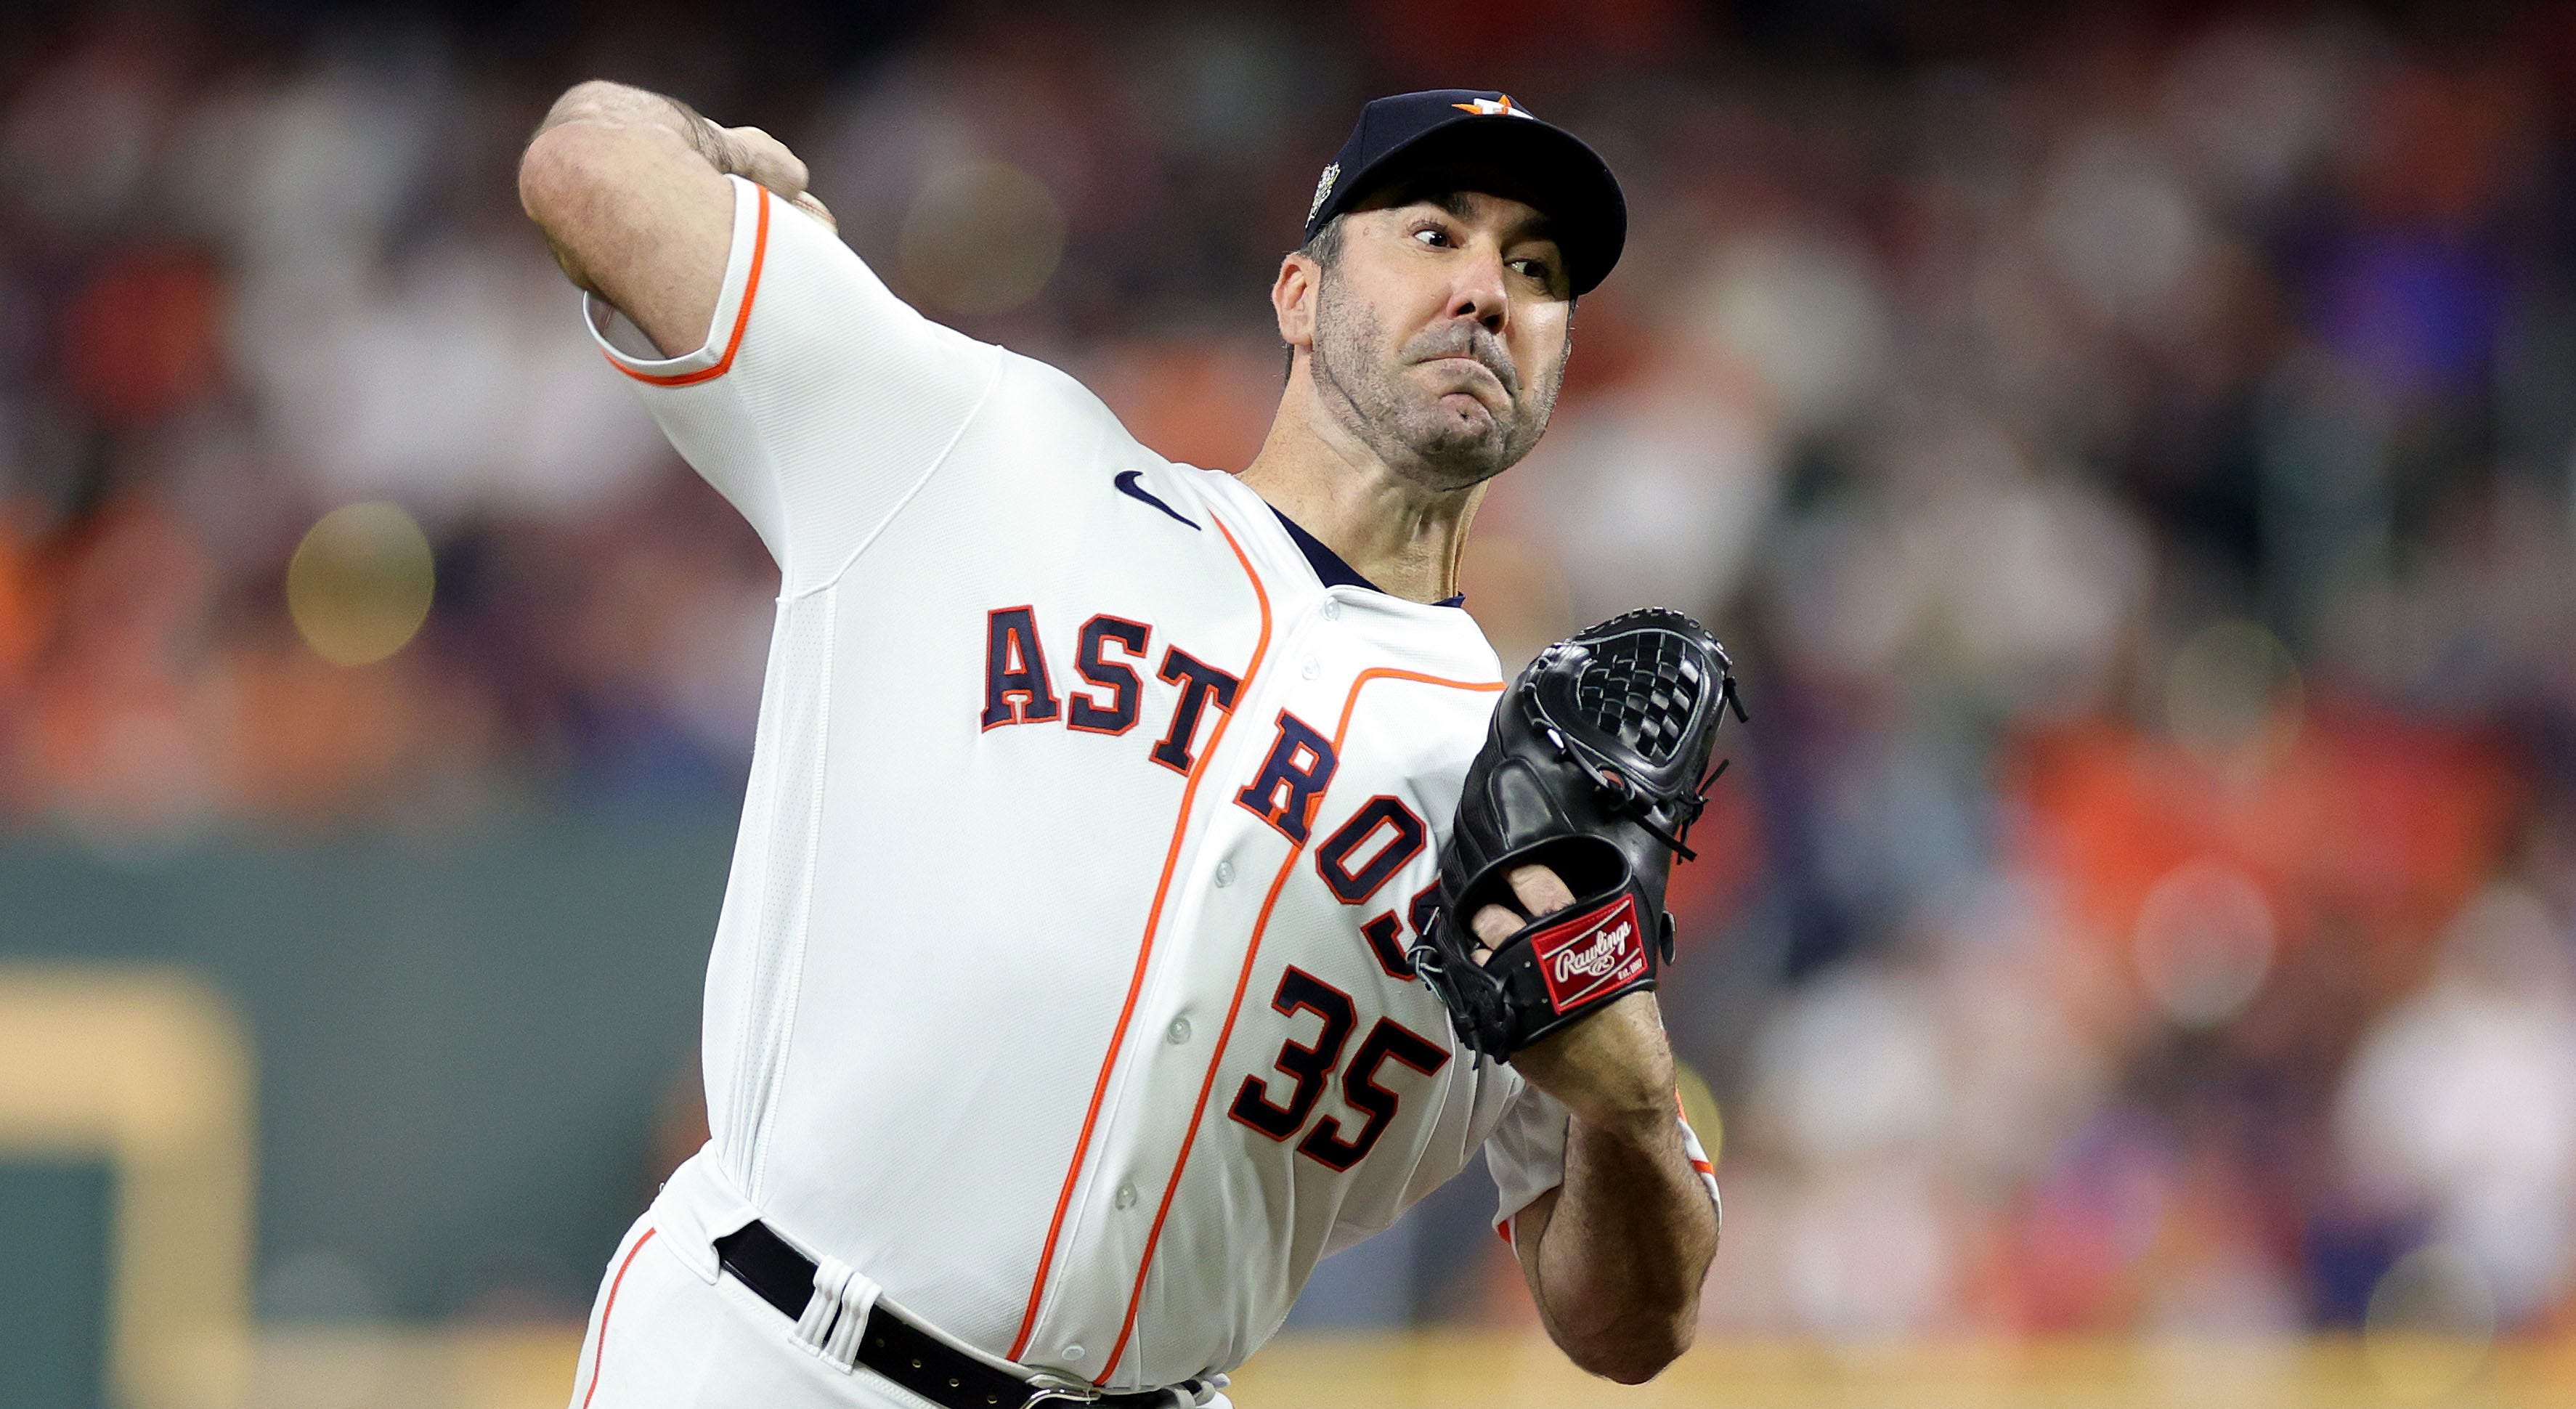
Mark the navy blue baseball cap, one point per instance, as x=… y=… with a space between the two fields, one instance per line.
x=1478 y=140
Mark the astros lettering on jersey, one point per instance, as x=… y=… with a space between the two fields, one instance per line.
x=1060 y=988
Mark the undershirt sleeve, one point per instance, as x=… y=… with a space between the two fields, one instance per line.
x=819 y=402
x=1526 y=1153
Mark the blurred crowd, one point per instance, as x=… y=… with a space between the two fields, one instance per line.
x=2131 y=452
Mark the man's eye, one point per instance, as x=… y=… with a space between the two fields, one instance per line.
x=1432 y=235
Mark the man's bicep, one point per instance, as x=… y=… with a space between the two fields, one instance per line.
x=638 y=217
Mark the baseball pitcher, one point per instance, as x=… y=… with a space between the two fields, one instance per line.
x=1148 y=884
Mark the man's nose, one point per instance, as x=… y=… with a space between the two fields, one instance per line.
x=1478 y=292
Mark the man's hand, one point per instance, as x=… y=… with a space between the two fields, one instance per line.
x=763 y=160
x=630 y=189
x=1615 y=1255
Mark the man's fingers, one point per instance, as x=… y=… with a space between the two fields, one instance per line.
x=1539 y=890
x=767 y=162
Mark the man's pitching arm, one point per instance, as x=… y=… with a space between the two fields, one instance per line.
x=1616 y=1254
x=630 y=189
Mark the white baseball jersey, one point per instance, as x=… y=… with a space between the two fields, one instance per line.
x=1060 y=989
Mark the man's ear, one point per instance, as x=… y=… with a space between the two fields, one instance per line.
x=1292 y=299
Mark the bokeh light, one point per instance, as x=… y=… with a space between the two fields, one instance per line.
x=981 y=238
x=2204 y=943
x=1699 y=1107
x=2431 y=1324
x=2233 y=689
x=360 y=583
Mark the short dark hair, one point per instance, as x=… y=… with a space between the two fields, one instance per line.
x=1326 y=250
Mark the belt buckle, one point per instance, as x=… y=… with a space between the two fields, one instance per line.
x=1067 y=1394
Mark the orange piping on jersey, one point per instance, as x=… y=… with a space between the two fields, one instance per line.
x=1243 y=980
x=1703 y=1166
x=1342 y=729
x=741 y=319
x=1144 y=952
x=599 y=1352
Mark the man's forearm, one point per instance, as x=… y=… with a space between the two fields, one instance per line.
x=630 y=189
x=593 y=129
x=1625 y=1248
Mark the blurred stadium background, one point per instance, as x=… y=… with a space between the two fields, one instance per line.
x=2133 y=449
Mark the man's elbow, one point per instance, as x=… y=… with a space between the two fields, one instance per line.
x=1638 y=1355
x=556 y=172
x=566 y=157
x=590 y=99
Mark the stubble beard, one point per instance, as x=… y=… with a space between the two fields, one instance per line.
x=1411 y=432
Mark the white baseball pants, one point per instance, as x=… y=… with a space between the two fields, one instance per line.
x=661 y=1337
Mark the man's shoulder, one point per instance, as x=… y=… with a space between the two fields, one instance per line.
x=1033 y=396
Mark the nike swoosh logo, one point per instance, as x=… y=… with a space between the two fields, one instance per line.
x=1128 y=484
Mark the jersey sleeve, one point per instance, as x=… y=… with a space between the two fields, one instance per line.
x=819 y=401
x=1526 y=1154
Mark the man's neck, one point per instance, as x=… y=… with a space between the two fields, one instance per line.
x=1398 y=535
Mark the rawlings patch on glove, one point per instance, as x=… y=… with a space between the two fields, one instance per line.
x=1593 y=769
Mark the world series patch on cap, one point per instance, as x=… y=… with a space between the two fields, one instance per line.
x=1479 y=140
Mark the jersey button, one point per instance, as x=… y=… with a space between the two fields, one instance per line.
x=1332 y=610
x=1073 y=1353
x=1179 y=1032
x=1225 y=873
x=1313 y=669
x=1126 y=1196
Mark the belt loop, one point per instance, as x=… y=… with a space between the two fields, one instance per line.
x=837 y=1315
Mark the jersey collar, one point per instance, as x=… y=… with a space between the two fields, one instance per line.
x=1328 y=565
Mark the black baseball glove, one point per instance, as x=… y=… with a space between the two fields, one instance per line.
x=1593 y=769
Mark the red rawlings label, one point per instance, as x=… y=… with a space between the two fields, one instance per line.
x=1586 y=958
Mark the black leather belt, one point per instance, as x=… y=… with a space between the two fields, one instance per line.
x=896 y=1348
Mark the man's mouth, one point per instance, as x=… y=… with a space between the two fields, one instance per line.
x=1487 y=374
